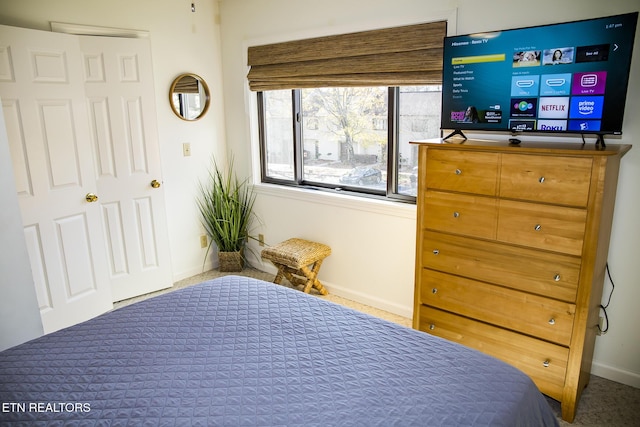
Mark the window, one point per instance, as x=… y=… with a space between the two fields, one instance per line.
x=418 y=118
x=277 y=139
x=338 y=112
x=353 y=139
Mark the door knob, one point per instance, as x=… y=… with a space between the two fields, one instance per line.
x=155 y=183
x=90 y=197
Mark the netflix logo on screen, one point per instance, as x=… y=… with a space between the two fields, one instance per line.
x=556 y=107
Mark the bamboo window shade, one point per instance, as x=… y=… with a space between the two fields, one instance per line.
x=399 y=56
x=187 y=84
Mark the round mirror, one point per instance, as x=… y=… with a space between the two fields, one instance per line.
x=189 y=96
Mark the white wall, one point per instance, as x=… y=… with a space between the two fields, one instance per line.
x=373 y=243
x=181 y=41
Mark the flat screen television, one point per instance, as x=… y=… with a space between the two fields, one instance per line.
x=562 y=78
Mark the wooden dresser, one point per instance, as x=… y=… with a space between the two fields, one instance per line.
x=511 y=251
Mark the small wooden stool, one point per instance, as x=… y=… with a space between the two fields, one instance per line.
x=299 y=261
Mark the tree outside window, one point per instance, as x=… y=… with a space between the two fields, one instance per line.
x=349 y=139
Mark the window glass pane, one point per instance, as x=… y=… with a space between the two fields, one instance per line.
x=344 y=133
x=419 y=118
x=278 y=119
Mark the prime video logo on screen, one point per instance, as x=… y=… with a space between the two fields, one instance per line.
x=586 y=107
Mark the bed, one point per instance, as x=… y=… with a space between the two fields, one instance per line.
x=237 y=351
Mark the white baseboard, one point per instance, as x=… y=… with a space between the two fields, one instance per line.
x=615 y=374
x=378 y=303
x=358 y=297
x=209 y=265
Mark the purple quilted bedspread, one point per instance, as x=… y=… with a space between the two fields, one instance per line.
x=242 y=352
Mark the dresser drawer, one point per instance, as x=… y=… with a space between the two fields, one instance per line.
x=554 y=228
x=549 y=179
x=542 y=273
x=456 y=170
x=462 y=213
x=546 y=318
x=544 y=362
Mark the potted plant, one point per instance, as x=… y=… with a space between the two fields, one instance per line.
x=226 y=208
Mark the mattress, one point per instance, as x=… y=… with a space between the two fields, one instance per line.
x=236 y=351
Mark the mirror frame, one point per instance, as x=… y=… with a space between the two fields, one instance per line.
x=205 y=88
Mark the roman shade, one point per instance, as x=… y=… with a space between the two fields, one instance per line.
x=187 y=84
x=399 y=56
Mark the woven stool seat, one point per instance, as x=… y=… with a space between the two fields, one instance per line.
x=299 y=261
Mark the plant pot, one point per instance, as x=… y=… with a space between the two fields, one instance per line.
x=231 y=261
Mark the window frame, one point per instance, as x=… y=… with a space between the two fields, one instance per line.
x=392 y=167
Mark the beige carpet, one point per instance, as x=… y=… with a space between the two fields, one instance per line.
x=604 y=403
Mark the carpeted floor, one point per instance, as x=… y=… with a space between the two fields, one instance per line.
x=604 y=403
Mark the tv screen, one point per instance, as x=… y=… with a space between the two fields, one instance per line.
x=562 y=78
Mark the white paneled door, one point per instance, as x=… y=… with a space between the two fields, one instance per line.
x=122 y=115
x=86 y=231
x=42 y=91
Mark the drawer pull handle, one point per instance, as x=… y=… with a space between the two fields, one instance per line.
x=436 y=251
x=458 y=172
x=556 y=277
x=434 y=290
x=432 y=327
x=538 y=227
x=546 y=363
x=541 y=180
x=552 y=321
x=456 y=214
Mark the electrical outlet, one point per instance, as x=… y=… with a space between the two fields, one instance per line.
x=261 y=239
x=203 y=241
x=186 y=149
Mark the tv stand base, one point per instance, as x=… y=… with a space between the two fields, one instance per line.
x=454 y=133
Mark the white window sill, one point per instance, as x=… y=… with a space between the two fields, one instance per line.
x=371 y=205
